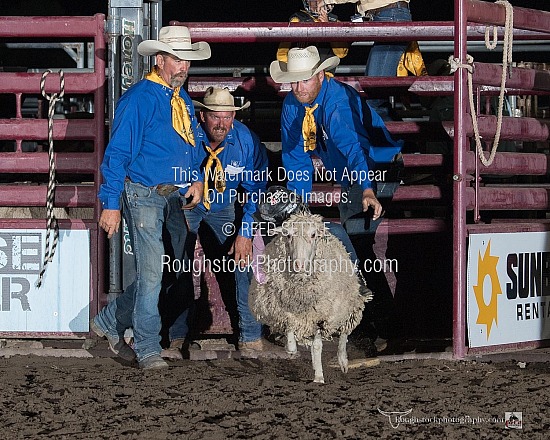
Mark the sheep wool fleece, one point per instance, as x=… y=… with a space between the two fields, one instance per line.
x=326 y=299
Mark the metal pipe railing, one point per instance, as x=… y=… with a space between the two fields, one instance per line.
x=530 y=25
x=494 y=14
x=214 y=32
x=459 y=185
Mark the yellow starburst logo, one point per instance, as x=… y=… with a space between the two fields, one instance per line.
x=487 y=266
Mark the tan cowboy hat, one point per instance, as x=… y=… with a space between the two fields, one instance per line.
x=176 y=41
x=302 y=64
x=219 y=100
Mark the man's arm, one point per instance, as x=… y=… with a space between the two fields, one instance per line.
x=348 y=135
x=125 y=143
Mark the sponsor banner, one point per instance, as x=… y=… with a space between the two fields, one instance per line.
x=508 y=288
x=61 y=304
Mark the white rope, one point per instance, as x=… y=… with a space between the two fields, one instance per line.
x=50 y=198
x=506 y=62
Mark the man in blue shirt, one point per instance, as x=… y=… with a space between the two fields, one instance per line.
x=236 y=171
x=326 y=118
x=150 y=165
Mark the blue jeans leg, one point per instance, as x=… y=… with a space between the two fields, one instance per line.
x=340 y=233
x=352 y=216
x=117 y=315
x=216 y=221
x=180 y=328
x=181 y=288
x=384 y=57
x=250 y=328
x=145 y=212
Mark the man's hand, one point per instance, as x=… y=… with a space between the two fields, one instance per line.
x=110 y=221
x=242 y=248
x=370 y=200
x=195 y=194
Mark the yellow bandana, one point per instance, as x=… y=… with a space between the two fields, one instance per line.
x=412 y=61
x=181 y=121
x=219 y=178
x=309 y=129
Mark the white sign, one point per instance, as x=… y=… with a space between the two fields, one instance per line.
x=508 y=288
x=61 y=304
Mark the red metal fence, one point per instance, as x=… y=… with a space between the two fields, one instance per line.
x=470 y=195
x=454 y=205
x=78 y=140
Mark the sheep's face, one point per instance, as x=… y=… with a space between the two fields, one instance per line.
x=302 y=236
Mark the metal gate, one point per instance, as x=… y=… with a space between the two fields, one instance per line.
x=464 y=202
x=73 y=278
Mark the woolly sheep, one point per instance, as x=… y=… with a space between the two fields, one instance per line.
x=311 y=290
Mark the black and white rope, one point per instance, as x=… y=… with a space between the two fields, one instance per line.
x=50 y=198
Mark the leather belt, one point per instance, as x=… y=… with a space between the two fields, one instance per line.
x=390 y=6
x=166 y=190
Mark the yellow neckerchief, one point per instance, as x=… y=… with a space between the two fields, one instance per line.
x=412 y=61
x=219 y=178
x=309 y=127
x=181 y=121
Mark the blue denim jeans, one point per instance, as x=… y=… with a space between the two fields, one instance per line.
x=352 y=216
x=340 y=233
x=145 y=212
x=250 y=329
x=384 y=57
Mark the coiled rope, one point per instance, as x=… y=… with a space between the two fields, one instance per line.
x=506 y=62
x=52 y=220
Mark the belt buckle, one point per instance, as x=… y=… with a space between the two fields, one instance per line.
x=166 y=190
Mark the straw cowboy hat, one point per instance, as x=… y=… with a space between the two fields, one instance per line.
x=302 y=64
x=219 y=100
x=176 y=41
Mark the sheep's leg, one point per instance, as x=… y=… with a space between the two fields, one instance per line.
x=343 y=353
x=291 y=346
x=316 y=352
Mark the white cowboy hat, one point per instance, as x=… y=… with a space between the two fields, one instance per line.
x=302 y=64
x=176 y=41
x=219 y=100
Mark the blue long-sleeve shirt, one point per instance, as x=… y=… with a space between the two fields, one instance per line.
x=351 y=138
x=144 y=146
x=245 y=164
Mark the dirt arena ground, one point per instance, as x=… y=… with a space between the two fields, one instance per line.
x=98 y=397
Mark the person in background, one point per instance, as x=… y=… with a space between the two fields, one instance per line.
x=150 y=170
x=315 y=11
x=234 y=159
x=387 y=58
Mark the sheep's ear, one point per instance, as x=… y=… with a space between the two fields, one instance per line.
x=277 y=230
